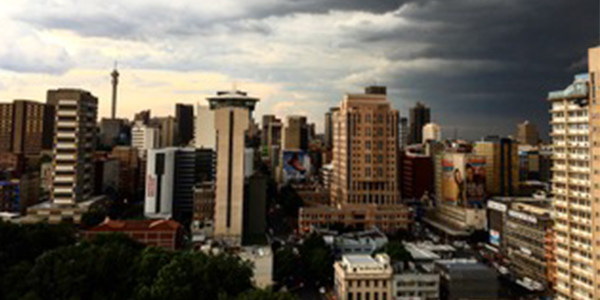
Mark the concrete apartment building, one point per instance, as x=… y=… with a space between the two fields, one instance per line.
x=74 y=140
x=362 y=277
x=233 y=113
x=574 y=122
x=144 y=137
x=502 y=165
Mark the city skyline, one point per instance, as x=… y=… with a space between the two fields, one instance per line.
x=481 y=66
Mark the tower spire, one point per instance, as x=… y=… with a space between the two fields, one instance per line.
x=115 y=83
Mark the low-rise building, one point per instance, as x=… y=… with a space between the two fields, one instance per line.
x=412 y=281
x=389 y=219
x=521 y=232
x=466 y=279
x=364 y=242
x=167 y=234
x=54 y=213
x=362 y=277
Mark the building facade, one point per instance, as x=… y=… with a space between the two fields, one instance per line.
x=420 y=115
x=170 y=179
x=527 y=134
x=361 y=277
x=233 y=113
x=502 y=165
x=144 y=138
x=365 y=152
x=575 y=167
x=184 y=116
x=205 y=135
x=74 y=140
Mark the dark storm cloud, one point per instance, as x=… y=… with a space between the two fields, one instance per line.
x=482 y=65
x=537 y=46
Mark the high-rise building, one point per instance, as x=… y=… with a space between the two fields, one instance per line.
x=502 y=165
x=129 y=171
x=205 y=135
x=75 y=130
x=184 y=116
x=403 y=133
x=574 y=122
x=143 y=116
x=365 y=151
x=22 y=126
x=110 y=131
x=329 y=127
x=432 y=132
x=419 y=116
x=167 y=130
x=144 y=138
x=296 y=133
x=233 y=114
x=416 y=174
x=527 y=134
x=170 y=179
x=271 y=138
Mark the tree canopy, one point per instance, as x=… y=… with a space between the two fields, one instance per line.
x=44 y=262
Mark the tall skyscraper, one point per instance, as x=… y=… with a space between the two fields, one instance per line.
x=329 y=127
x=527 y=134
x=365 y=150
x=205 y=135
x=502 y=165
x=184 y=116
x=22 y=127
x=74 y=140
x=167 y=127
x=144 y=138
x=575 y=176
x=170 y=179
x=233 y=113
x=115 y=82
x=296 y=133
x=271 y=138
x=419 y=116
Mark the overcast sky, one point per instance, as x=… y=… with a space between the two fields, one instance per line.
x=481 y=65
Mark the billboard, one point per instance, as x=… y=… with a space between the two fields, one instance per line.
x=475 y=177
x=463 y=179
x=452 y=180
x=494 y=237
x=296 y=165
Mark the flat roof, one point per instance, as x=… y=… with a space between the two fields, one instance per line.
x=357 y=259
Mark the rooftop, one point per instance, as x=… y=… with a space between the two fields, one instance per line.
x=136 y=225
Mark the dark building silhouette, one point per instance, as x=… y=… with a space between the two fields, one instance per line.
x=420 y=115
x=184 y=114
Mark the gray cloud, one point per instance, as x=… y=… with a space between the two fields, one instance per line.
x=481 y=65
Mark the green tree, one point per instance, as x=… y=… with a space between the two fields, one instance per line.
x=194 y=275
x=317 y=260
x=396 y=251
x=285 y=264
